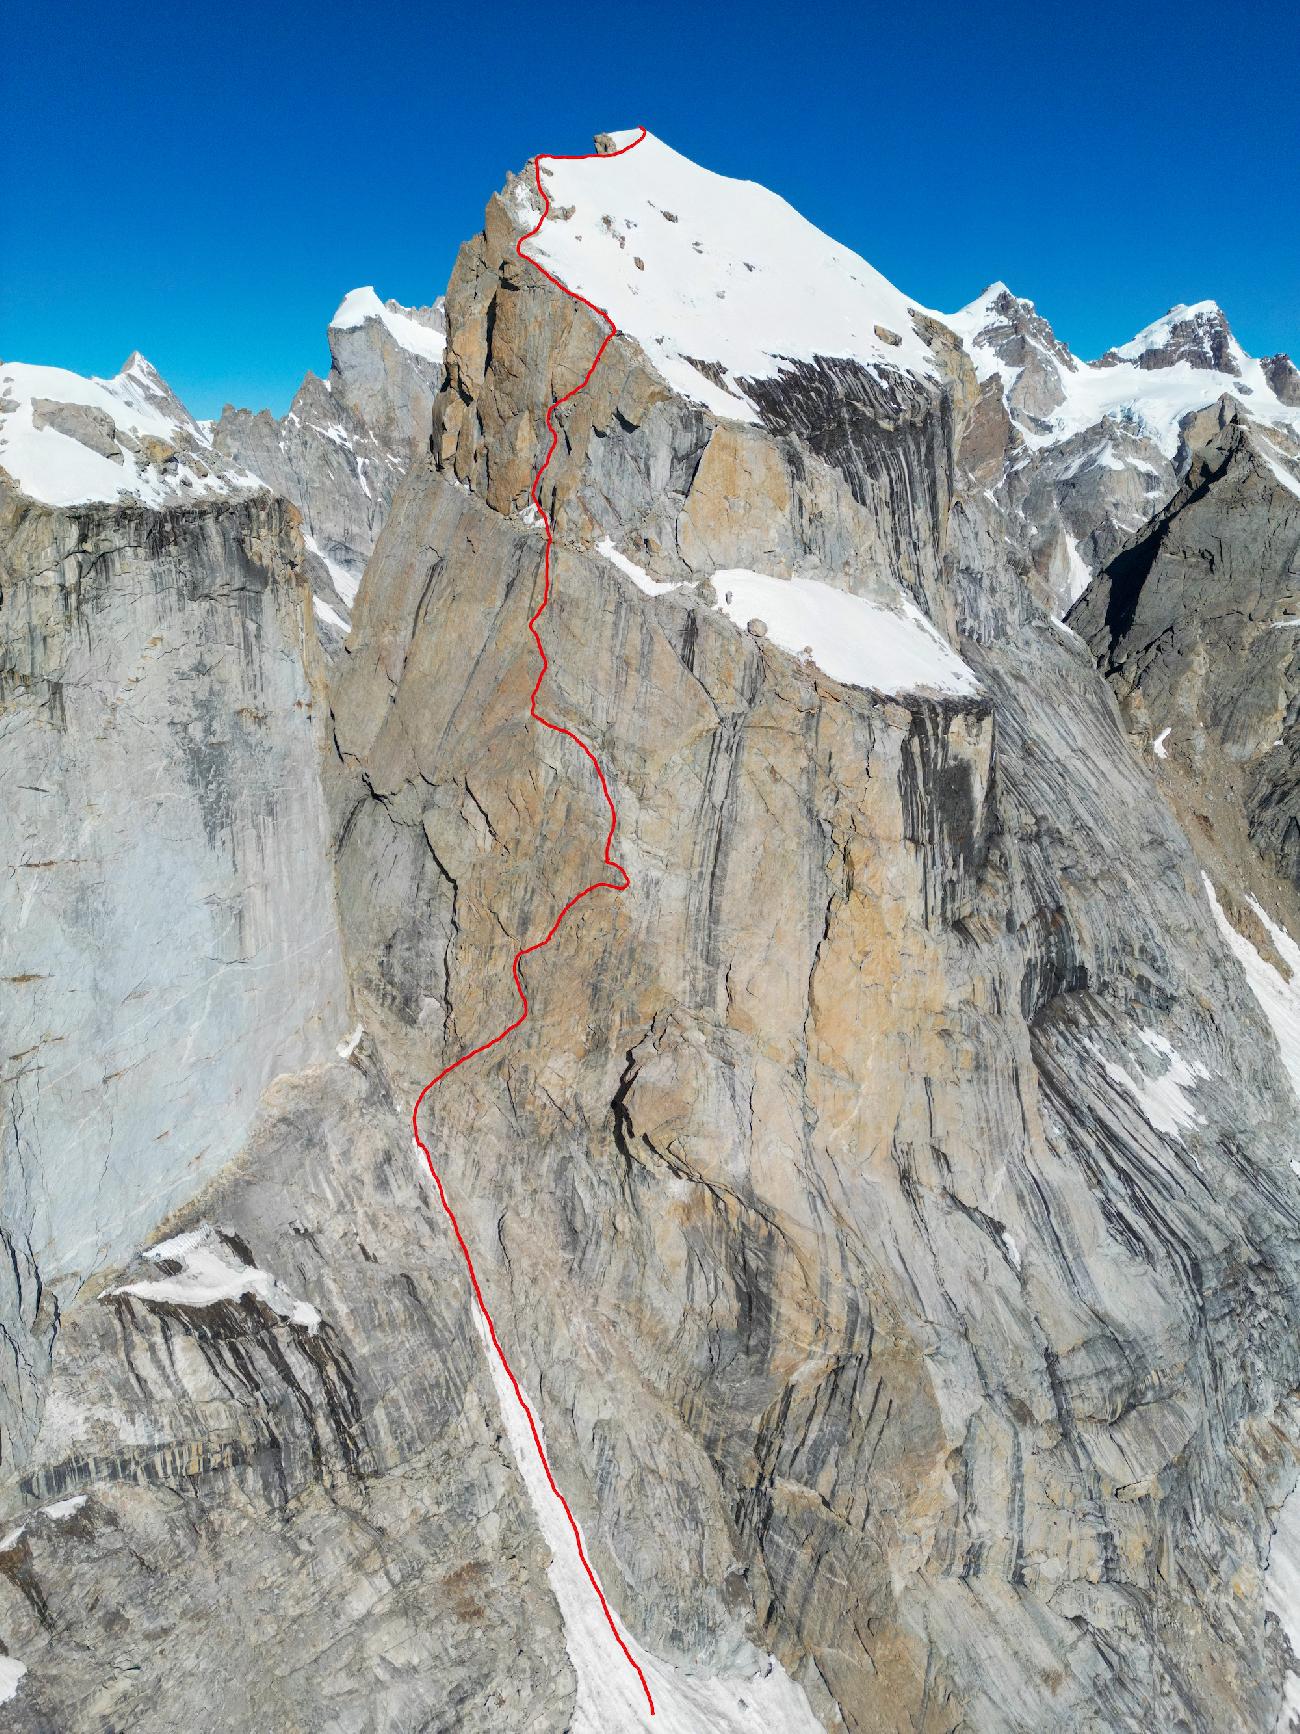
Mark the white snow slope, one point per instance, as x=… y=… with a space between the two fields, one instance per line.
x=699 y=267
x=853 y=640
x=694 y=265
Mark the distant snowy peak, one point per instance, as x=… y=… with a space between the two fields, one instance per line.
x=1147 y=388
x=718 y=280
x=997 y=320
x=420 y=331
x=1198 y=336
x=1095 y=447
x=66 y=440
x=1007 y=335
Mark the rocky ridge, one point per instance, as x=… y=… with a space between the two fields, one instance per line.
x=347 y=440
x=1194 y=624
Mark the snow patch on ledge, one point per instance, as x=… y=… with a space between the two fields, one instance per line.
x=65 y=1508
x=1162 y=1097
x=59 y=1512
x=856 y=642
x=358 y=305
x=1079 y=573
x=330 y=616
x=1273 y=458
x=629 y=568
x=346 y=583
x=211 y=1271
x=348 y=1046
x=11 y=1672
x=759 y=1697
x=1279 y=999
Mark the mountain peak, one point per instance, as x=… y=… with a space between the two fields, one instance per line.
x=1197 y=334
x=70 y=440
x=418 y=330
x=356 y=307
x=1005 y=334
x=995 y=295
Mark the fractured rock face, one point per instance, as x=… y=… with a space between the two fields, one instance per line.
x=387 y=365
x=1283 y=375
x=1194 y=624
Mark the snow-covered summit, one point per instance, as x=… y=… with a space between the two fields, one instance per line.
x=1199 y=335
x=702 y=269
x=417 y=329
x=1006 y=335
x=66 y=440
x=1179 y=364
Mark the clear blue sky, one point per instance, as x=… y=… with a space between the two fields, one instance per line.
x=204 y=182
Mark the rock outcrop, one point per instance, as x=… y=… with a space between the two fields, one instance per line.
x=1284 y=377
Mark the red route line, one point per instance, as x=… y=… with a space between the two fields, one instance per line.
x=597 y=885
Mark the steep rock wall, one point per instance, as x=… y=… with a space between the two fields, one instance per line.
x=841 y=1133
x=169 y=937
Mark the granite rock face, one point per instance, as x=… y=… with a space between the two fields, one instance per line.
x=889 y=1206
x=169 y=941
x=304 y=1523
x=901 y=1046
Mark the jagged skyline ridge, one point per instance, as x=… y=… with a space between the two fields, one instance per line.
x=360 y=166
